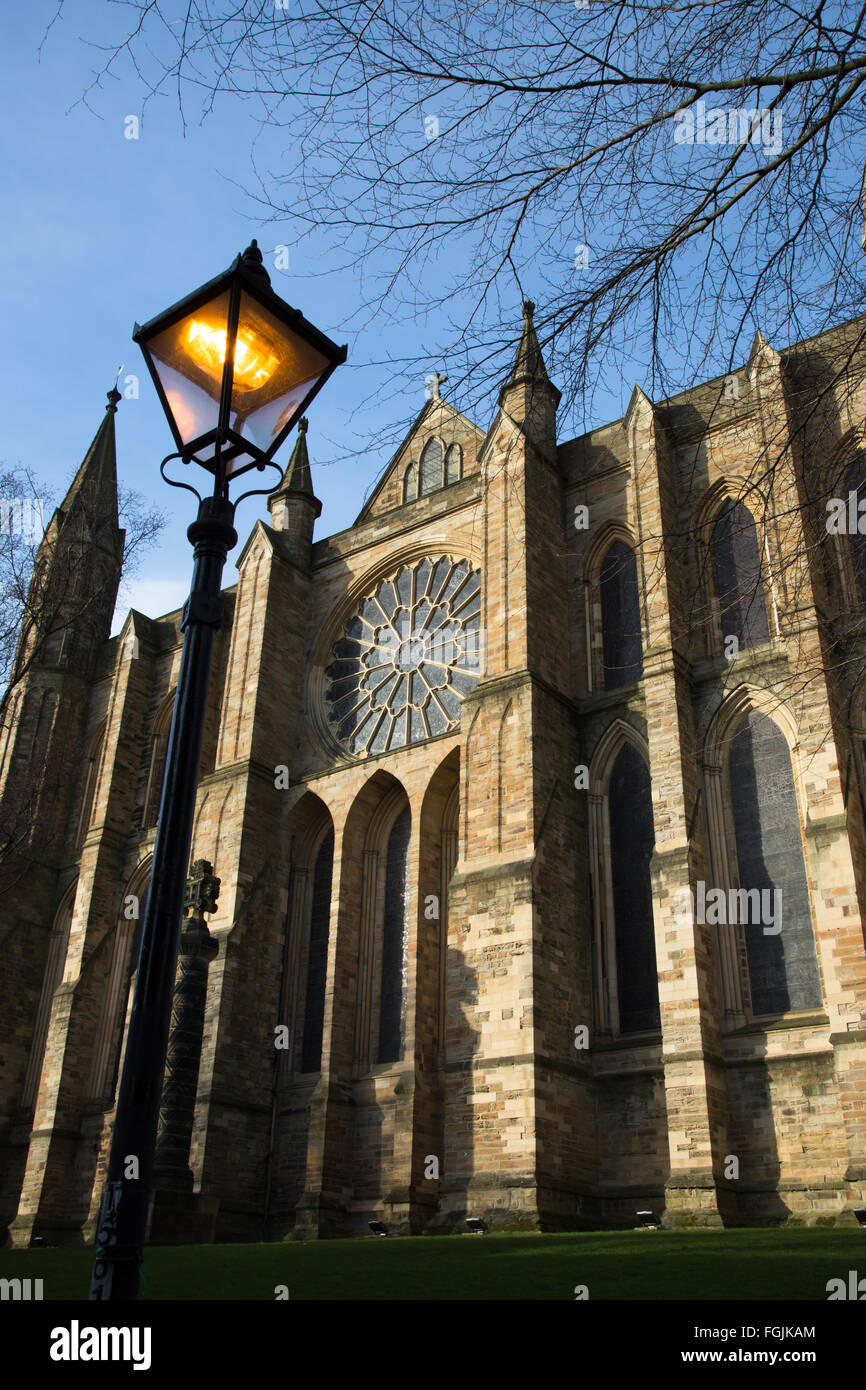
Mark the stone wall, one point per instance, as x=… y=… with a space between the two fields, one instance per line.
x=501 y=1105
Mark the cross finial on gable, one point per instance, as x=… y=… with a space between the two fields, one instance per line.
x=434 y=381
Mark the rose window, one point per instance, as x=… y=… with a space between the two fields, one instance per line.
x=408 y=655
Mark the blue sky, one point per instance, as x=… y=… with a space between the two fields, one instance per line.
x=100 y=231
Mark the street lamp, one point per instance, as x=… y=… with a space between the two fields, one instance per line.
x=234 y=367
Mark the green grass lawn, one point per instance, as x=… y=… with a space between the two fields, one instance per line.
x=740 y=1264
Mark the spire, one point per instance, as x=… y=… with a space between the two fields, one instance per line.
x=294 y=506
x=80 y=559
x=297 y=477
x=93 y=490
x=529 y=363
x=529 y=397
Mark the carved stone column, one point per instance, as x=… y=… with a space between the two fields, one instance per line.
x=177 y=1108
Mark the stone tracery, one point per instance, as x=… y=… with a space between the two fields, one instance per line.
x=408 y=655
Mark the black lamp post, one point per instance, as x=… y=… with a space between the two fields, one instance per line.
x=234 y=367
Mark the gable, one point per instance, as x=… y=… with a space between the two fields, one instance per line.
x=437 y=421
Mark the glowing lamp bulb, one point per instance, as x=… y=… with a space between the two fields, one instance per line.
x=254 y=365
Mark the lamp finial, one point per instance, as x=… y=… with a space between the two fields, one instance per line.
x=252 y=259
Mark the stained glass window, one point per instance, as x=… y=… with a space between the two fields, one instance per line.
x=783 y=966
x=632 y=839
x=431 y=466
x=409 y=654
x=739 y=584
x=620 y=617
x=395 y=943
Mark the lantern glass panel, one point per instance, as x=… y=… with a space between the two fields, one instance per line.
x=275 y=368
x=188 y=358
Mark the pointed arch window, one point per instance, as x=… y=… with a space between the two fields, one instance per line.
x=158 y=752
x=431 y=467
x=453 y=464
x=117 y=995
x=410 y=483
x=91 y=776
x=395 y=942
x=632 y=839
x=317 y=956
x=776 y=917
x=739 y=576
x=620 y=617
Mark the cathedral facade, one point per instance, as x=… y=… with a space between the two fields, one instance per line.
x=536 y=797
